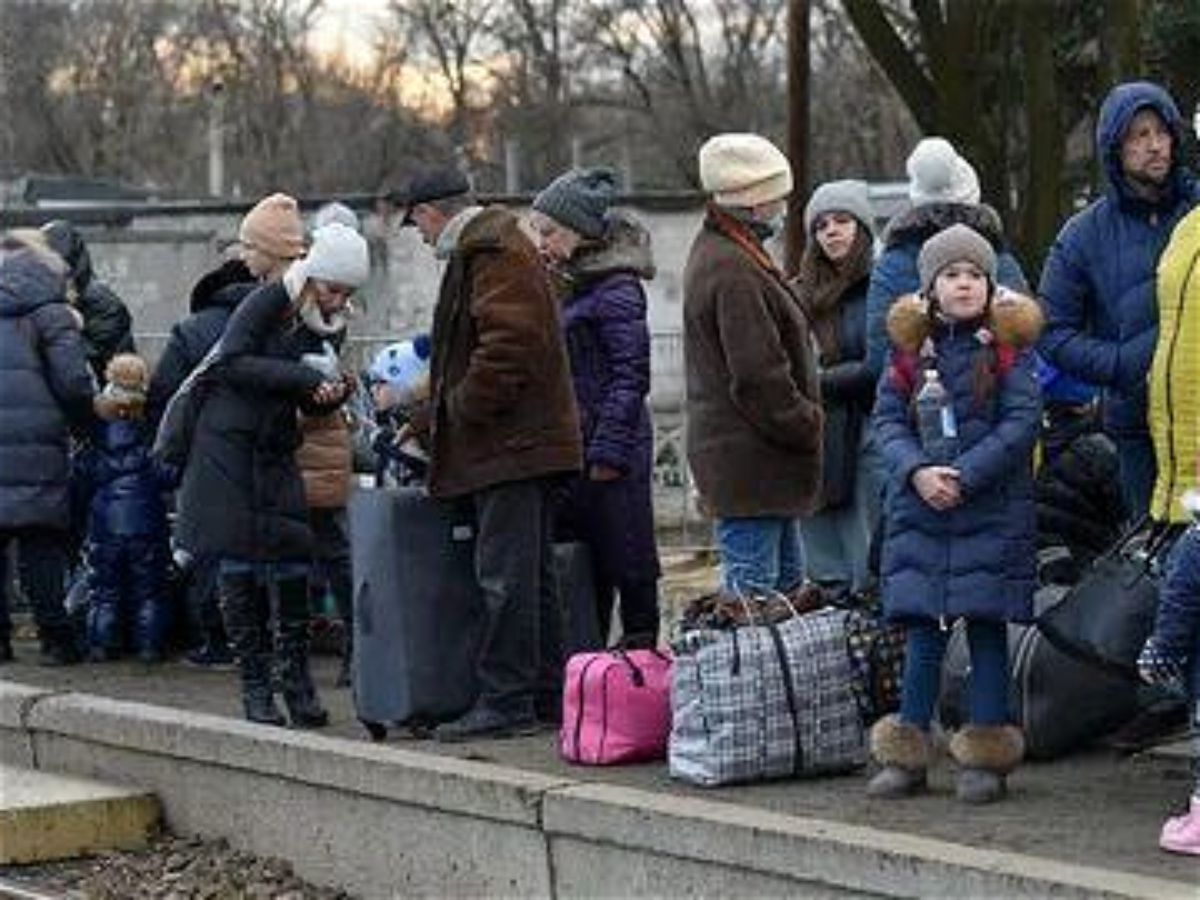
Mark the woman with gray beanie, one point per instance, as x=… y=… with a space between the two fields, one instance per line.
x=832 y=284
x=599 y=259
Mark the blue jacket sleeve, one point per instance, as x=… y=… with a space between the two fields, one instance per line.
x=895 y=433
x=1067 y=293
x=894 y=275
x=1010 y=442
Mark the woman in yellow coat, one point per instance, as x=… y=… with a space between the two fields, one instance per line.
x=1175 y=373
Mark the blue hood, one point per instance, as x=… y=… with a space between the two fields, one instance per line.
x=26 y=284
x=1120 y=106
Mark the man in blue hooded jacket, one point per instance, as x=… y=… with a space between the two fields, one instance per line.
x=1098 y=281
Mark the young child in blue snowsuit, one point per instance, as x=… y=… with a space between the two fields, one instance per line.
x=1171 y=656
x=128 y=540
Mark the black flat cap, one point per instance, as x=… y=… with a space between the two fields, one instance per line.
x=429 y=185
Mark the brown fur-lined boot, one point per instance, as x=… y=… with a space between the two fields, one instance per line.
x=904 y=752
x=986 y=754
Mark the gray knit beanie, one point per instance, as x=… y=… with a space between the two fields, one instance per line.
x=848 y=196
x=955 y=244
x=579 y=199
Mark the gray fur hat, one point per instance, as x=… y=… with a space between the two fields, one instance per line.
x=579 y=199
x=849 y=196
x=951 y=245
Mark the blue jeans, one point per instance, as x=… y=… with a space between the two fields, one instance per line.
x=759 y=554
x=1136 y=473
x=988 y=678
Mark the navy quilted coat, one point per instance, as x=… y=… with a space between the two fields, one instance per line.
x=1098 y=282
x=45 y=385
x=978 y=559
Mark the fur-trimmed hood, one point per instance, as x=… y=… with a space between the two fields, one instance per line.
x=920 y=223
x=625 y=247
x=1013 y=319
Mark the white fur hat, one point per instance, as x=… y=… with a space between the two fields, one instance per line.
x=744 y=170
x=338 y=254
x=937 y=174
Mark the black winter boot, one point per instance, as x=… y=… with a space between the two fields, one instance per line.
x=299 y=693
x=258 y=700
x=243 y=606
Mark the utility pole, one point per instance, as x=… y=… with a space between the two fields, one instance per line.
x=798 y=69
x=216 y=138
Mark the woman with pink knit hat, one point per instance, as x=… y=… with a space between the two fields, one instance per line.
x=242 y=486
x=271 y=236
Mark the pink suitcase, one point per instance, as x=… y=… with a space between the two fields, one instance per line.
x=616 y=707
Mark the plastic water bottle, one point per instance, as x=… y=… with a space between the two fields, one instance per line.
x=935 y=420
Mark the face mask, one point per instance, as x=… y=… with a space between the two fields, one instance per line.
x=765 y=229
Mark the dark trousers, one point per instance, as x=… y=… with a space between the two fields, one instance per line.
x=41 y=569
x=988 y=683
x=520 y=656
x=331 y=558
x=205 y=627
x=129 y=592
x=616 y=521
x=1137 y=471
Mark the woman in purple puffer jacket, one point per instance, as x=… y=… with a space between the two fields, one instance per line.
x=600 y=259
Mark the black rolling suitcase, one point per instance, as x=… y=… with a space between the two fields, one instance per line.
x=417 y=609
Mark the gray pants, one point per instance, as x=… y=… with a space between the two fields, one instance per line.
x=837 y=542
x=520 y=655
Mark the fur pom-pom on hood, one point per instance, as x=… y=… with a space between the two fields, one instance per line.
x=1013 y=319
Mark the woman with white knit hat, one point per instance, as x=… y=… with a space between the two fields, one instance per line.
x=753 y=403
x=246 y=496
x=943 y=190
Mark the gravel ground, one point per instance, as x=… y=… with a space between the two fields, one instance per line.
x=171 y=869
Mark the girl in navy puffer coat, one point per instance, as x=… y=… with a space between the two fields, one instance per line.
x=127 y=533
x=959 y=534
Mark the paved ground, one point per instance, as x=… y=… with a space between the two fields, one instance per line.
x=1093 y=808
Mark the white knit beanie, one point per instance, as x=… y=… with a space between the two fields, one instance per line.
x=744 y=170
x=338 y=254
x=937 y=174
x=336 y=212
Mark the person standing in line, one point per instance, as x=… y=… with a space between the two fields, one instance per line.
x=107 y=324
x=213 y=298
x=754 y=417
x=832 y=284
x=502 y=429
x=600 y=258
x=1098 y=284
x=242 y=489
x=324 y=458
x=960 y=533
x=46 y=390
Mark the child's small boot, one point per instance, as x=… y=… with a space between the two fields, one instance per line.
x=986 y=754
x=903 y=750
x=1181 y=834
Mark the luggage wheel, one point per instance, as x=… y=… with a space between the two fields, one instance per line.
x=376 y=730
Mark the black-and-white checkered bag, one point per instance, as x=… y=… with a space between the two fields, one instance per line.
x=764 y=701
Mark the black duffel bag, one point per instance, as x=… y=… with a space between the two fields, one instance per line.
x=1105 y=619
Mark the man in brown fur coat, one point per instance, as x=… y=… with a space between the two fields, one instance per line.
x=753 y=402
x=502 y=424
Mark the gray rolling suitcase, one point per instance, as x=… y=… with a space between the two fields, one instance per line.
x=417 y=609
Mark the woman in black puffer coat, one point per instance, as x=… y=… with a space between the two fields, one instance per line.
x=242 y=491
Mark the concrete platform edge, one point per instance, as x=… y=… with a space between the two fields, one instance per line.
x=382 y=821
